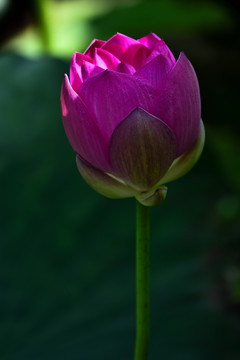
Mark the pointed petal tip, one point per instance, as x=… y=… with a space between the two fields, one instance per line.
x=183 y=59
x=65 y=78
x=155 y=71
x=66 y=89
x=91 y=48
x=63 y=83
x=149 y=40
x=64 y=94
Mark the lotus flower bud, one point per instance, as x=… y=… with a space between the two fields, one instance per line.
x=132 y=114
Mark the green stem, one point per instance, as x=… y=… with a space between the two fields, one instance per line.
x=142 y=282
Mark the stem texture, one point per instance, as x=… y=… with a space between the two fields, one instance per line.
x=142 y=282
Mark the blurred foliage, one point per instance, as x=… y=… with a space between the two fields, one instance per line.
x=62 y=27
x=164 y=17
x=67 y=276
x=58 y=27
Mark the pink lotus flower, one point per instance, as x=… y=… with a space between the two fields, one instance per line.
x=132 y=114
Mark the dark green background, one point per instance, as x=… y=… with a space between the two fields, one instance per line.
x=67 y=254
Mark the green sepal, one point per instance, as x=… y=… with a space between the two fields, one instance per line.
x=103 y=183
x=153 y=198
x=186 y=161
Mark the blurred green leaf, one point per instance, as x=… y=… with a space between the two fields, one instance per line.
x=63 y=27
x=225 y=144
x=163 y=17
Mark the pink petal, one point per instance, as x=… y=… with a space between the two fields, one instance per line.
x=81 y=130
x=179 y=103
x=89 y=70
x=125 y=68
x=149 y=40
x=135 y=55
x=75 y=70
x=161 y=49
x=111 y=96
x=105 y=60
x=95 y=44
x=118 y=44
x=141 y=150
x=102 y=182
x=155 y=71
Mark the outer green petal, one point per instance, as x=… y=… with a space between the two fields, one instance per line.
x=102 y=182
x=185 y=162
x=141 y=150
x=153 y=198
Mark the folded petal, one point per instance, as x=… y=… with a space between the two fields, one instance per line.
x=179 y=103
x=125 y=68
x=111 y=96
x=75 y=69
x=105 y=60
x=81 y=130
x=141 y=150
x=150 y=40
x=102 y=182
x=161 y=49
x=155 y=71
x=185 y=162
x=135 y=55
x=118 y=44
x=88 y=70
x=95 y=44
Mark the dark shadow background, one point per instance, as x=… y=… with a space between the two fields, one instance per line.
x=67 y=254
